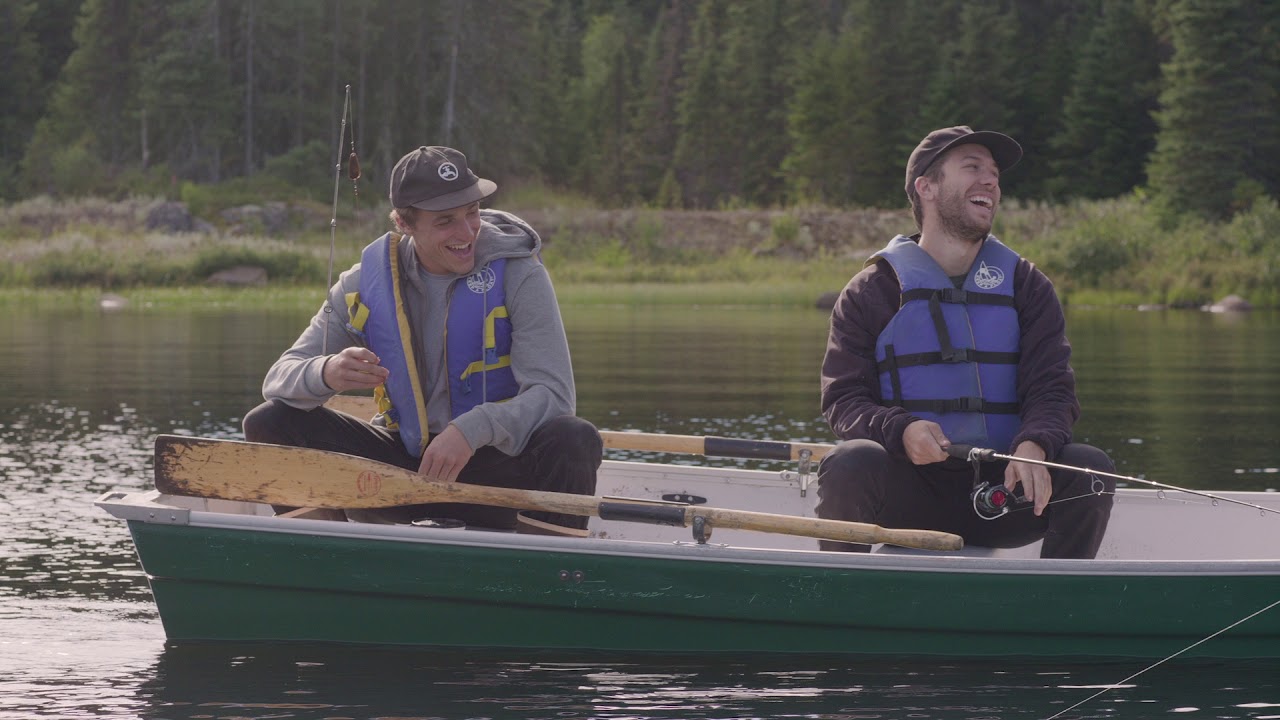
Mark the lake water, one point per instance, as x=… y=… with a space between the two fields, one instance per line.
x=1187 y=398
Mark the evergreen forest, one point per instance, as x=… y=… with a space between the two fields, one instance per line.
x=693 y=104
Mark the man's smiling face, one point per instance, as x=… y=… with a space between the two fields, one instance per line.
x=445 y=240
x=967 y=193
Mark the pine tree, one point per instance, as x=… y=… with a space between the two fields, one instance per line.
x=1107 y=130
x=652 y=141
x=559 y=32
x=20 y=56
x=760 y=39
x=732 y=109
x=1217 y=112
x=699 y=165
x=1050 y=35
x=188 y=131
x=823 y=123
x=91 y=128
x=604 y=93
x=975 y=76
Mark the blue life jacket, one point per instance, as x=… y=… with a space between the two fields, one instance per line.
x=950 y=354
x=477 y=340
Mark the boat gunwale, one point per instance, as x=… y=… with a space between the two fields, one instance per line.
x=141 y=506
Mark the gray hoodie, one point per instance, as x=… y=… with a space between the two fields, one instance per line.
x=539 y=350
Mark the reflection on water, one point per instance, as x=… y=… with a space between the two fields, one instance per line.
x=1187 y=398
x=258 y=681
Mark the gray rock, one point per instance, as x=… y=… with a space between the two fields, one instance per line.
x=827 y=300
x=269 y=219
x=275 y=218
x=169 y=217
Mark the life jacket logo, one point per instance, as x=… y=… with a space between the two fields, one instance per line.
x=447 y=171
x=482 y=280
x=987 y=276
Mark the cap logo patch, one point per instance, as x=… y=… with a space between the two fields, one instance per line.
x=987 y=276
x=482 y=280
x=447 y=171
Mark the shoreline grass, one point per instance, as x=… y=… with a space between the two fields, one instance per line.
x=309 y=299
x=305 y=299
x=1107 y=252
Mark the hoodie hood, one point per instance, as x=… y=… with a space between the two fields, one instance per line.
x=503 y=235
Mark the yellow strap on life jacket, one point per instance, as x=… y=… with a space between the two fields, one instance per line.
x=357 y=312
x=490 y=341
x=479 y=366
x=490 y=335
x=383 y=401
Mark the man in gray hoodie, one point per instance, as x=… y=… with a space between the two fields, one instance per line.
x=454 y=324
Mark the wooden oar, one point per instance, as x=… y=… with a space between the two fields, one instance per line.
x=234 y=470
x=362 y=406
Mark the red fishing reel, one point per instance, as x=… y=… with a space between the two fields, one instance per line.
x=991 y=501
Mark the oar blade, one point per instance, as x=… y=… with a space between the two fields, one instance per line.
x=279 y=475
x=305 y=477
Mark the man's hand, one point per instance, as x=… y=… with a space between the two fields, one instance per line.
x=445 y=457
x=355 y=368
x=925 y=442
x=1037 y=486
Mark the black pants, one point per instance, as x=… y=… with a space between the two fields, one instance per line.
x=859 y=481
x=561 y=456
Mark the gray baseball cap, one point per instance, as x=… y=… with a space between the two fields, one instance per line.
x=436 y=178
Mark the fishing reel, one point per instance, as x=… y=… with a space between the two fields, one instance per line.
x=991 y=501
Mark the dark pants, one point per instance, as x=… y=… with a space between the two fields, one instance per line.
x=561 y=456
x=859 y=481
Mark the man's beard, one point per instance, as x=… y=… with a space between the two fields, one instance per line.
x=953 y=215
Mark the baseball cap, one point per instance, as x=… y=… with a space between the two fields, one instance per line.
x=436 y=178
x=1005 y=150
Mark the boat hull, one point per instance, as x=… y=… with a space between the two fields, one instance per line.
x=219 y=577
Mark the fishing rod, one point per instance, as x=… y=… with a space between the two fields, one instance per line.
x=353 y=172
x=977 y=454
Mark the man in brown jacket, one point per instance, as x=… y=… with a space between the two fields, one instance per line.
x=946 y=337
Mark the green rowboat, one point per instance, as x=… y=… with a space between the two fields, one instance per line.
x=1173 y=571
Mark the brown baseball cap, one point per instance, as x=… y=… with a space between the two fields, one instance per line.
x=436 y=178
x=1005 y=150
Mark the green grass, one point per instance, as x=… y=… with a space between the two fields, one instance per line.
x=305 y=298
x=147 y=299
x=1111 y=252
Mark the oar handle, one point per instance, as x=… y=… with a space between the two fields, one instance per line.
x=713 y=446
x=709 y=445
x=969 y=452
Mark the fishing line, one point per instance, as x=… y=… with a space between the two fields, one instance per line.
x=354 y=174
x=1165 y=660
